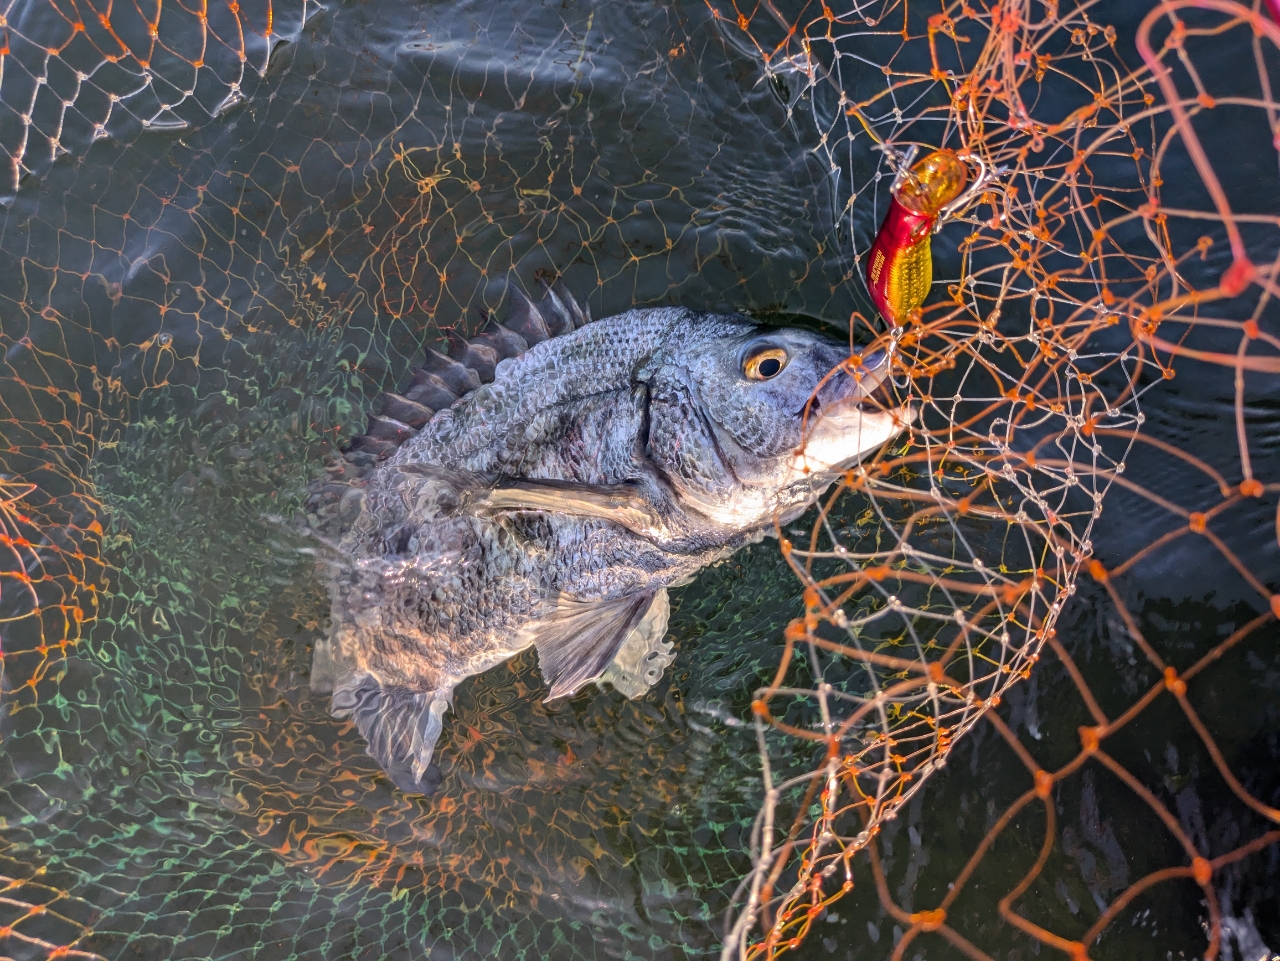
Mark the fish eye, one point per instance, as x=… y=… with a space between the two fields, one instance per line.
x=764 y=364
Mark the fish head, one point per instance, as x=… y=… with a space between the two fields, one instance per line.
x=767 y=418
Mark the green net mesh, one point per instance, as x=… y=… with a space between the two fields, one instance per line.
x=228 y=228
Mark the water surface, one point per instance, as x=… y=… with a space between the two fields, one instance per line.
x=197 y=312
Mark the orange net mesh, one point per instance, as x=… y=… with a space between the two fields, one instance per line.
x=1109 y=254
x=191 y=321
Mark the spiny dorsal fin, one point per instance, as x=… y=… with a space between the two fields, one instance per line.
x=431 y=390
x=556 y=314
x=506 y=343
x=442 y=380
x=456 y=376
x=388 y=428
x=376 y=447
x=577 y=312
x=407 y=411
x=524 y=318
x=475 y=353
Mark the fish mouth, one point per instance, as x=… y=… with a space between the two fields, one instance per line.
x=885 y=397
x=860 y=384
x=852 y=415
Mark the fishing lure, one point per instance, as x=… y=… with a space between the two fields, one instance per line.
x=900 y=263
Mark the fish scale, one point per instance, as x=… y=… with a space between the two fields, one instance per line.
x=544 y=485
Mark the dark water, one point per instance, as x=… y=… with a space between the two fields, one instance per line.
x=193 y=318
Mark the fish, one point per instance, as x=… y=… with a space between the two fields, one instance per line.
x=547 y=482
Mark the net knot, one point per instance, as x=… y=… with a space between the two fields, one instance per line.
x=1202 y=871
x=1044 y=784
x=1089 y=739
x=930 y=920
x=1176 y=685
x=1237 y=277
x=1251 y=487
x=1196 y=522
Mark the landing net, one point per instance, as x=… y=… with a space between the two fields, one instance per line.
x=77 y=72
x=230 y=226
x=1109 y=255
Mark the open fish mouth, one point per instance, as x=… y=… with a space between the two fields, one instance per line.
x=851 y=416
x=862 y=386
x=885 y=397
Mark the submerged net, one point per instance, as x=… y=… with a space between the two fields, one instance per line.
x=216 y=256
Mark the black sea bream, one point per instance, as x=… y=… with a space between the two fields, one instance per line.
x=548 y=482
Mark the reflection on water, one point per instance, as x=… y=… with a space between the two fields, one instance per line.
x=194 y=319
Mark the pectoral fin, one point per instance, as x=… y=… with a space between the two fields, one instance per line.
x=488 y=494
x=400 y=726
x=577 y=642
x=621 y=504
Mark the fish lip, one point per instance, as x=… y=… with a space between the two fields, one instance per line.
x=864 y=406
x=852 y=381
x=885 y=396
x=883 y=401
x=848 y=397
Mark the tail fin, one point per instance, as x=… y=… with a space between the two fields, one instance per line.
x=400 y=726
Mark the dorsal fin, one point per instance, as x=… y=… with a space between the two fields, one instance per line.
x=431 y=390
x=407 y=411
x=456 y=376
x=524 y=318
x=580 y=315
x=475 y=353
x=556 y=314
x=442 y=380
x=388 y=428
x=506 y=343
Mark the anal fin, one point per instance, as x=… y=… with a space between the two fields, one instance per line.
x=323 y=671
x=399 y=726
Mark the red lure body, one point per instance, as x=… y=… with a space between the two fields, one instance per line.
x=900 y=263
x=894 y=265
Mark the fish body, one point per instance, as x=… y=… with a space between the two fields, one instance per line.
x=553 y=506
